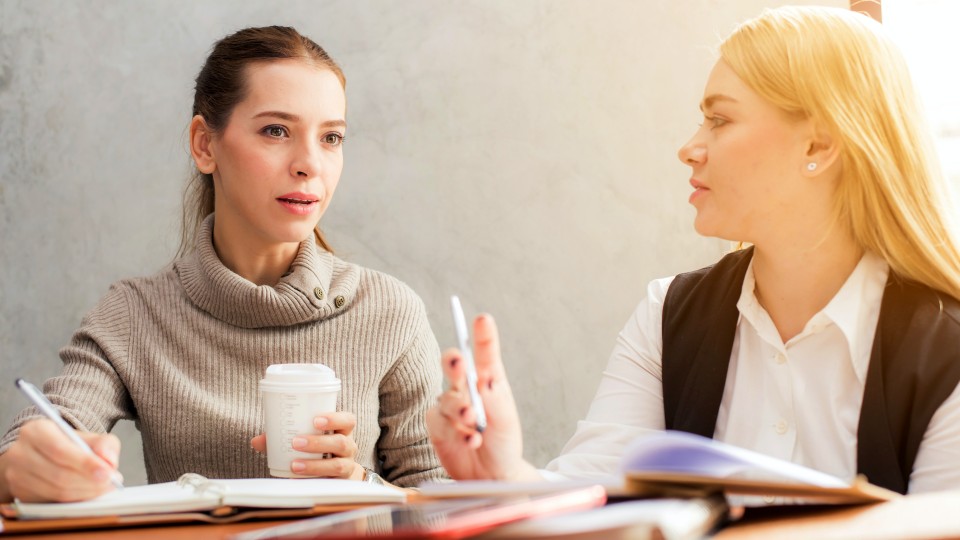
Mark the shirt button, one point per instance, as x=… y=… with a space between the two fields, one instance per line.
x=318 y=292
x=781 y=427
x=339 y=301
x=769 y=499
x=780 y=358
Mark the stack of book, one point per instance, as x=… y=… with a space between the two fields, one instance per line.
x=673 y=486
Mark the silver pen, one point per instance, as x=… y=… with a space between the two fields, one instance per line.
x=37 y=398
x=463 y=340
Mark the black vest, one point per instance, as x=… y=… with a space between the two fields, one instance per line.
x=914 y=363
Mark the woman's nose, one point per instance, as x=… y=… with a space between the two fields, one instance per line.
x=306 y=161
x=692 y=153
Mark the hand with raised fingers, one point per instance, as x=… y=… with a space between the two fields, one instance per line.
x=497 y=452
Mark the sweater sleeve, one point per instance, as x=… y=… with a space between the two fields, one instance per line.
x=408 y=390
x=88 y=391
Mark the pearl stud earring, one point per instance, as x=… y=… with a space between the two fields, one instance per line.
x=811 y=166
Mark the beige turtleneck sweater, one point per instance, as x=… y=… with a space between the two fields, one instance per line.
x=181 y=353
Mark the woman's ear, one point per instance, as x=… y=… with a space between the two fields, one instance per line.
x=822 y=151
x=200 y=145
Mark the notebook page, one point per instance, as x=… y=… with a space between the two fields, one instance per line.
x=154 y=498
x=684 y=453
x=303 y=492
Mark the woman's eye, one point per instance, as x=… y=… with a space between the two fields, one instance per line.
x=333 y=139
x=275 y=131
x=714 y=121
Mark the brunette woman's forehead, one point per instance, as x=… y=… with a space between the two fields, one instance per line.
x=255 y=65
x=294 y=92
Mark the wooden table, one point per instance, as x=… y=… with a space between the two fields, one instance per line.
x=927 y=516
x=931 y=515
x=162 y=532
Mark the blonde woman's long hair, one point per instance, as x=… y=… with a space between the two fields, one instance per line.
x=839 y=68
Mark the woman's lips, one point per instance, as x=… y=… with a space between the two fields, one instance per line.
x=698 y=189
x=299 y=203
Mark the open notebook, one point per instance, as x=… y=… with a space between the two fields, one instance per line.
x=195 y=498
x=676 y=463
x=193 y=492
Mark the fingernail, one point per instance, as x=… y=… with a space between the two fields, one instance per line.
x=320 y=421
x=298 y=466
x=299 y=442
x=112 y=457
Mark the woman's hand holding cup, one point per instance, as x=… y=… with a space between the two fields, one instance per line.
x=305 y=434
x=335 y=448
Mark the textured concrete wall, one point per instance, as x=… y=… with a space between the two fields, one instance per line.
x=519 y=154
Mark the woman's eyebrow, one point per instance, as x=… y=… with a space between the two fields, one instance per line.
x=713 y=98
x=289 y=117
x=278 y=114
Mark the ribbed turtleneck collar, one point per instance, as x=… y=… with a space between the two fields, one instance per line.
x=307 y=292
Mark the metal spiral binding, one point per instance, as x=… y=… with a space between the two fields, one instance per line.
x=201 y=485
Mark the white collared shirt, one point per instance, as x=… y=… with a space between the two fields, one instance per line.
x=798 y=401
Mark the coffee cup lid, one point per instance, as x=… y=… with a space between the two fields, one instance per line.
x=301 y=375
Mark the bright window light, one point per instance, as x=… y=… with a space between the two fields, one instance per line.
x=926 y=31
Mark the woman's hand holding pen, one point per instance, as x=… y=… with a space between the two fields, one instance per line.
x=337 y=442
x=497 y=453
x=43 y=465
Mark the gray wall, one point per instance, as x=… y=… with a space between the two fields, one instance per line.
x=520 y=154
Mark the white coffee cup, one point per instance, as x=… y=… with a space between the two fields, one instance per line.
x=293 y=395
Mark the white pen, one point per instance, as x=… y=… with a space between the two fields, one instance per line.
x=463 y=340
x=37 y=398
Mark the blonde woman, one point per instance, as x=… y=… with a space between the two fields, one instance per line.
x=833 y=341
